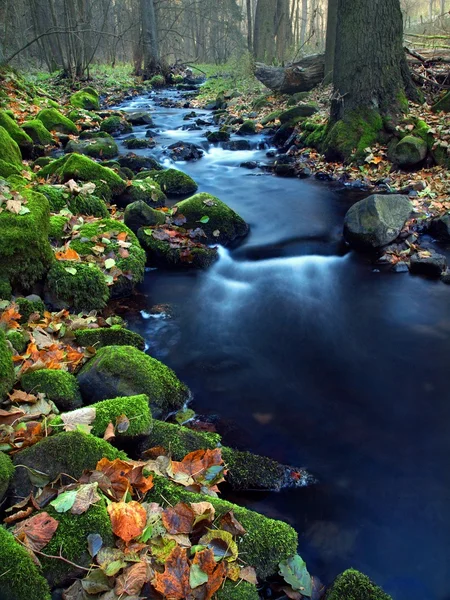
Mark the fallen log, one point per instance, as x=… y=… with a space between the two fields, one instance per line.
x=302 y=76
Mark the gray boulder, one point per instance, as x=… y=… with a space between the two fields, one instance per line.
x=440 y=228
x=376 y=221
x=410 y=151
x=428 y=263
x=140 y=214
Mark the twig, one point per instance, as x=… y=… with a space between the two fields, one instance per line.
x=60 y=557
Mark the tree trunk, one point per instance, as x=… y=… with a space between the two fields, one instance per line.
x=370 y=74
x=299 y=77
x=249 y=26
x=304 y=22
x=149 y=38
x=331 y=39
x=264 y=35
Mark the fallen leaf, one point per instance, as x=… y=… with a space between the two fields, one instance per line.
x=178 y=519
x=132 y=580
x=82 y=416
x=249 y=574
x=216 y=572
x=37 y=531
x=174 y=582
x=128 y=520
x=229 y=523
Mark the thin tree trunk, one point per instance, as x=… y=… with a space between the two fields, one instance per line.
x=331 y=40
x=249 y=26
x=149 y=38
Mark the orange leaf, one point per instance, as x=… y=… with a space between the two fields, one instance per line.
x=10 y=317
x=216 y=572
x=122 y=236
x=37 y=531
x=68 y=254
x=128 y=520
x=178 y=519
x=174 y=582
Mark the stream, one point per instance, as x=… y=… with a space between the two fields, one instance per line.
x=309 y=355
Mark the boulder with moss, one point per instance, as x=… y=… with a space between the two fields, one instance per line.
x=140 y=117
x=9 y=155
x=131 y=265
x=126 y=371
x=347 y=139
x=69 y=452
x=140 y=214
x=138 y=143
x=443 y=104
x=22 y=139
x=25 y=252
x=266 y=543
x=88 y=205
x=177 y=249
x=220 y=223
x=21 y=578
x=58 y=226
x=18 y=339
x=142 y=190
x=376 y=221
x=140 y=163
x=70 y=540
x=53 y=120
x=82 y=168
x=88 y=99
x=5 y=289
x=217 y=136
x=247 y=128
x=353 y=585
x=116 y=126
x=38 y=132
x=158 y=81
x=79 y=286
x=175 y=183
x=109 y=336
x=6 y=474
x=409 y=152
x=241 y=590
x=102 y=147
x=27 y=307
x=59 y=386
x=57 y=195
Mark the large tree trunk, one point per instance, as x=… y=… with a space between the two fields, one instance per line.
x=149 y=38
x=264 y=34
x=331 y=40
x=370 y=74
x=299 y=77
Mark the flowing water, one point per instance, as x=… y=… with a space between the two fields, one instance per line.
x=314 y=358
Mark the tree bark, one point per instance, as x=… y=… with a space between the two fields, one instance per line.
x=149 y=38
x=299 y=77
x=331 y=40
x=249 y=26
x=264 y=34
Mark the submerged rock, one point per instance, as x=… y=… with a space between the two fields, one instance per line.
x=237 y=145
x=140 y=117
x=440 y=228
x=428 y=263
x=353 y=585
x=376 y=221
x=184 y=151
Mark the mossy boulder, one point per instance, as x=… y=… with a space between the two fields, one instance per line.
x=266 y=543
x=217 y=136
x=158 y=81
x=142 y=190
x=116 y=126
x=126 y=371
x=104 y=147
x=140 y=117
x=28 y=307
x=178 y=252
x=58 y=224
x=409 y=152
x=376 y=221
x=302 y=111
x=442 y=105
x=298 y=97
x=18 y=340
x=353 y=585
x=7 y=169
x=140 y=163
x=53 y=120
x=175 y=183
x=108 y=336
x=140 y=214
x=271 y=117
x=79 y=286
x=220 y=223
x=84 y=118
x=138 y=143
x=237 y=591
x=21 y=578
x=38 y=132
x=132 y=265
x=82 y=168
x=6 y=474
x=6 y=367
x=9 y=152
x=25 y=252
x=21 y=138
x=88 y=205
x=69 y=452
x=247 y=128
x=87 y=99
x=347 y=139
x=59 y=386
x=5 y=289
x=70 y=540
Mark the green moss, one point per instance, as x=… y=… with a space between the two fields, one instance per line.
x=25 y=252
x=273 y=116
x=82 y=168
x=241 y=590
x=217 y=136
x=69 y=452
x=43 y=161
x=95 y=147
x=53 y=120
x=177 y=79
x=87 y=99
x=301 y=111
x=57 y=196
x=137 y=143
x=175 y=183
x=347 y=139
x=260 y=102
x=145 y=190
x=18 y=339
x=125 y=371
x=57 y=228
x=84 y=290
x=7 y=169
x=20 y=577
x=28 y=307
x=5 y=289
x=133 y=264
x=180 y=440
x=223 y=225
x=88 y=205
x=6 y=474
x=441 y=156
x=353 y=585
x=443 y=104
x=163 y=253
x=410 y=151
x=266 y=542
x=247 y=128
x=17 y=133
x=313 y=133
x=70 y=539
x=135 y=408
x=140 y=214
x=9 y=150
x=109 y=336
x=16 y=182
x=38 y=132
x=116 y=125
x=59 y=386
x=157 y=81
x=79 y=114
